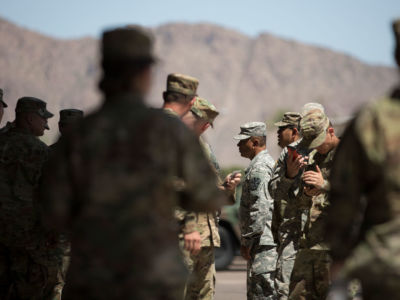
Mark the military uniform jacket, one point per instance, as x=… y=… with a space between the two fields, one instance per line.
x=365 y=186
x=114 y=184
x=22 y=156
x=207 y=224
x=313 y=234
x=256 y=204
x=287 y=218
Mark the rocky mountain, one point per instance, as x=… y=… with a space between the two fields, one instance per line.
x=248 y=79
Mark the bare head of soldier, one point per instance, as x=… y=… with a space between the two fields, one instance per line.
x=201 y=116
x=31 y=114
x=252 y=139
x=68 y=119
x=127 y=57
x=180 y=94
x=288 y=129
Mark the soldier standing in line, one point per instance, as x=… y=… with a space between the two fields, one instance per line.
x=201 y=282
x=178 y=99
x=363 y=220
x=255 y=212
x=27 y=272
x=284 y=191
x=288 y=133
x=310 y=277
x=115 y=182
x=180 y=94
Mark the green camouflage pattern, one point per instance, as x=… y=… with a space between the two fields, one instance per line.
x=364 y=192
x=311 y=275
x=313 y=128
x=131 y=165
x=288 y=220
x=28 y=254
x=201 y=281
x=32 y=104
x=289 y=119
x=204 y=110
x=183 y=84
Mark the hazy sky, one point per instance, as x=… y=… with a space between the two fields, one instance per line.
x=360 y=28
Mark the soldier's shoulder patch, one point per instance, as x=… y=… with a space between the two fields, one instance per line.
x=254 y=182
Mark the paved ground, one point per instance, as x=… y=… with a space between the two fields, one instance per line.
x=231 y=284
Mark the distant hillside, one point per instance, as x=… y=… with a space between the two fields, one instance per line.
x=246 y=78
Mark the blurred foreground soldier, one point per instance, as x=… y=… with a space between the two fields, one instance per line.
x=26 y=271
x=255 y=212
x=114 y=183
x=180 y=94
x=288 y=133
x=363 y=221
x=201 y=282
x=310 y=277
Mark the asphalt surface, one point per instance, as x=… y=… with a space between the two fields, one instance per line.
x=231 y=284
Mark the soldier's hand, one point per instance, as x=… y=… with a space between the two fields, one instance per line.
x=314 y=178
x=192 y=242
x=245 y=252
x=232 y=180
x=293 y=166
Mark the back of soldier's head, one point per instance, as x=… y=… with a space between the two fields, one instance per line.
x=396 y=30
x=180 y=88
x=126 y=53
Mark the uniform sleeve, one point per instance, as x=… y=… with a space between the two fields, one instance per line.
x=200 y=193
x=254 y=206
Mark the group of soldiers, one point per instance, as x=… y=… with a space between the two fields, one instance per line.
x=125 y=204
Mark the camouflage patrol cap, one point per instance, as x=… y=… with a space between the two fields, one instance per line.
x=313 y=128
x=1 y=99
x=250 y=129
x=70 y=115
x=204 y=110
x=131 y=43
x=32 y=104
x=289 y=119
x=182 y=84
x=312 y=106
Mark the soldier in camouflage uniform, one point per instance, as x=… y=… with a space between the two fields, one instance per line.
x=255 y=212
x=285 y=218
x=201 y=282
x=27 y=268
x=180 y=94
x=310 y=276
x=363 y=220
x=115 y=181
x=179 y=97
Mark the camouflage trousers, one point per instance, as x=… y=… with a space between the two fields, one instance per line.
x=261 y=273
x=284 y=266
x=23 y=277
x=201 y=281
x=310 y=278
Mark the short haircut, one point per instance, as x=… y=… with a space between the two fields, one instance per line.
x=262 y=140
